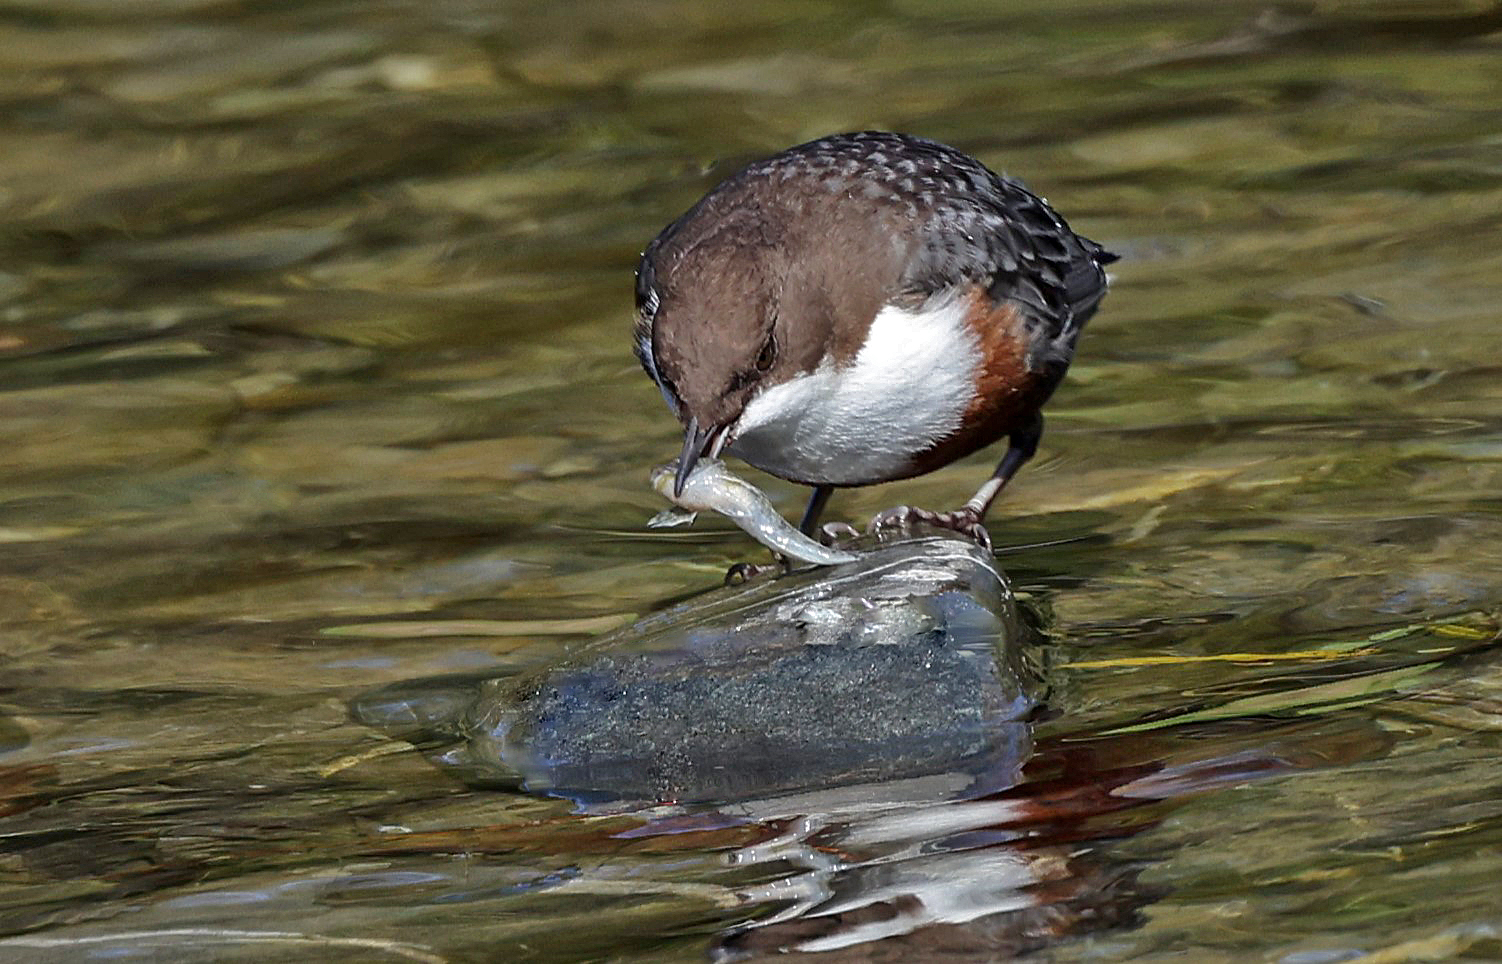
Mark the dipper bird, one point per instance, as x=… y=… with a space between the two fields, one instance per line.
x=862 y=308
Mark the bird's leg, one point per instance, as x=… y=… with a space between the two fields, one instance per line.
x=816 y=503
x=969 y=519
x=1022 y=445
x=831 y=533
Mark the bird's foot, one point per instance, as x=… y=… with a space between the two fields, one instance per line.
x=743 y=572
x=965 y=521
x=837 y=535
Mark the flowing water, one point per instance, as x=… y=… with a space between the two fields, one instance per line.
x=315 y=379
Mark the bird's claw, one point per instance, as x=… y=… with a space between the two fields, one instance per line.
x=743 y=572
x=838 y=534
x=965 y=521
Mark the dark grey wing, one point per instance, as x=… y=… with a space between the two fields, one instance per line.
x=979 y=227
x=1047 y=265
x=1056 y=275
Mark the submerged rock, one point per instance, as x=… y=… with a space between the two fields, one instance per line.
x=907 y=665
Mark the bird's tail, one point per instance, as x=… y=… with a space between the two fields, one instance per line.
x=1085 y=286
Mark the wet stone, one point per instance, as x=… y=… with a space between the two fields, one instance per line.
x=907 y=664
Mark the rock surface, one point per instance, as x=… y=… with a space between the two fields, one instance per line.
x=907 y=665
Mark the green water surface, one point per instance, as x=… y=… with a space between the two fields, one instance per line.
x=315 y=376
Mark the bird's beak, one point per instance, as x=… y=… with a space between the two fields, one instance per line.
x=696 y=441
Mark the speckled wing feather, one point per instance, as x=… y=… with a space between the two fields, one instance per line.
x=975 y=226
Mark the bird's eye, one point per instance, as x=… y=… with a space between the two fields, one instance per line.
x=768 y=355
x=647 y=299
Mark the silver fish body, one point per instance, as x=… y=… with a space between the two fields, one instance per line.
x=711 y=486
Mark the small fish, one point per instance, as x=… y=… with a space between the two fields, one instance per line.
x=711 y=486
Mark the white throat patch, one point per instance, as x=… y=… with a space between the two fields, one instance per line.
x=906 y=389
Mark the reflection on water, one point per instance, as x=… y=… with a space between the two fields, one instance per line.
x=1009 y=873
x=315 y=379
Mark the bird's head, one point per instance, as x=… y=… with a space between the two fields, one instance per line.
x=708 y=333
